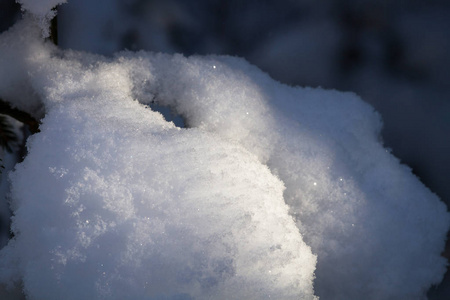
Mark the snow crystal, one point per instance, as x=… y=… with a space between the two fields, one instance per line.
x=113 y=201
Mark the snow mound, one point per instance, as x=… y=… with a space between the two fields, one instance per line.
x=267 y=183
x=374 y=226
x=114 y=202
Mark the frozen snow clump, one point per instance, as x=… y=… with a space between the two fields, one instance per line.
x=271 y=191
x=368 y=218
x=114 y=202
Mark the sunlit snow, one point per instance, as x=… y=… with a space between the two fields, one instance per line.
x=270 y=191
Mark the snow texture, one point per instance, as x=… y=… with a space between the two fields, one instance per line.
x=271 y=191
x=139 y=207
x=366 y=216
x=42 y=11
x=7 y=163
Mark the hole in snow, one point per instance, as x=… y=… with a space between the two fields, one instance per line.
x=168 y=114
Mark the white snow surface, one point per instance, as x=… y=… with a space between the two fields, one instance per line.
x=271 y=191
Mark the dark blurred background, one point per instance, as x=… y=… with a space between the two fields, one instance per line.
x=394 y=54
